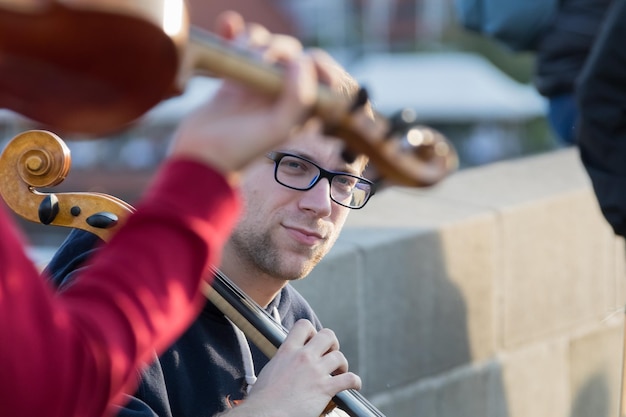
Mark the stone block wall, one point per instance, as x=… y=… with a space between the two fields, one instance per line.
x=497 y=293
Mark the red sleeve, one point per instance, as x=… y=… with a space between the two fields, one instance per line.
x=73 y=354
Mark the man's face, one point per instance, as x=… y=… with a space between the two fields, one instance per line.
x=283 y=232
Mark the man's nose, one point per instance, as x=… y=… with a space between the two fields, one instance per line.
x=317 y=199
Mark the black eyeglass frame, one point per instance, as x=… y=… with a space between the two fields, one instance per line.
x=324 y=173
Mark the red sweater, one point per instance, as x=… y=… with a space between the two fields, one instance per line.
x=74 y=354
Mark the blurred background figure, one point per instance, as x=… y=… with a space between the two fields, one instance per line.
x=559 y=33
x=602 y=96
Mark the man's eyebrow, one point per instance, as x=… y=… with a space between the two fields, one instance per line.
x=350 y=169
x=355 y=168
x=344 y=167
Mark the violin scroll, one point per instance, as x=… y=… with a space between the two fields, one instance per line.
x=433 y=150
x=416 y=156
x=38 y=159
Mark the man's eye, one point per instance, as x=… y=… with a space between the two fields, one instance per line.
x=346 y=181
x=293 y=164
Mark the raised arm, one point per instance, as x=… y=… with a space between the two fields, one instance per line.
x=74 y=354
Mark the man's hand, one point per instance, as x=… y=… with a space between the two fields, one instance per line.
x=239 y=124
x=301 y=379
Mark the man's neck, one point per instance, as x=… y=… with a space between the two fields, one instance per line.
x=259 y=287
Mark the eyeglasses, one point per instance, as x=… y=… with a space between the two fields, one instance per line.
x=301 y=174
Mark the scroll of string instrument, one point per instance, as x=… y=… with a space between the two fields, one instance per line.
x=96 y=66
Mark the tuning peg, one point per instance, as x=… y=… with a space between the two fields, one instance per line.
x=401 y=121
x=102 y=220
x=361 y=99
x=48 y=209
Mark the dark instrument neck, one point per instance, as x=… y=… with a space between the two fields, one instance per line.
x=268 y=335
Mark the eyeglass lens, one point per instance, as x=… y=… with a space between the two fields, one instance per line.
x=298 y=173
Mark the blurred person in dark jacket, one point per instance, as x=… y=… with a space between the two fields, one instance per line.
x=561 y=53
x=601 y=95
x=559 y=32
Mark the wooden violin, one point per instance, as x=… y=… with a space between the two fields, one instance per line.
x=94 y=66
x=39 y=158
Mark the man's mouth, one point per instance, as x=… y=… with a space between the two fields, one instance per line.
x=304 y=236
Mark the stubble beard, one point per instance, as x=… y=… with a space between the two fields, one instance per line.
x=258 y=252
